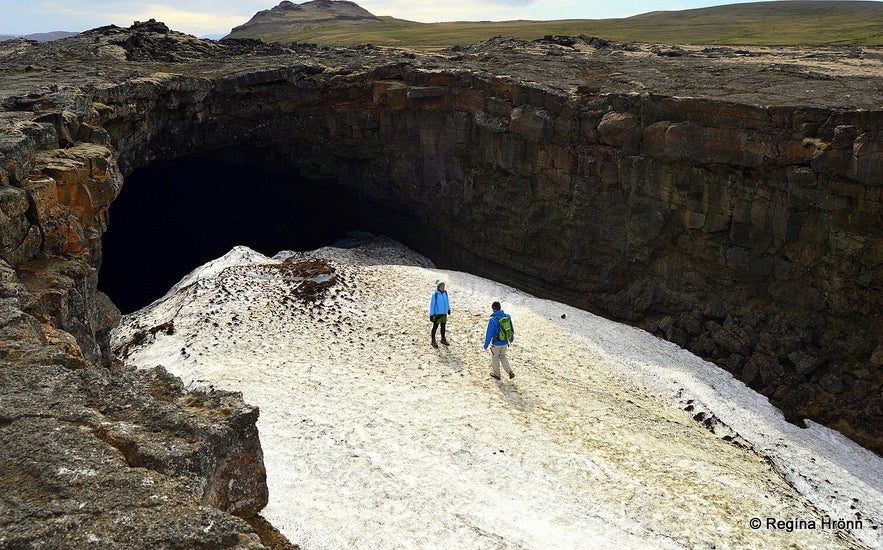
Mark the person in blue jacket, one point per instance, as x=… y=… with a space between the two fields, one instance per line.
x=498 y=347
x=439 y=309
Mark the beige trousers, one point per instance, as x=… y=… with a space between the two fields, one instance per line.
x=498 y=355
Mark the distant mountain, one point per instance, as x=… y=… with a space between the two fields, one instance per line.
x=782 y=22
x=40 y=36
x=289 y=17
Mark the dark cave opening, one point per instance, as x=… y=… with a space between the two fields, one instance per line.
x=174 y=216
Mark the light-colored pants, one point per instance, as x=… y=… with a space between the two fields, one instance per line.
x=498 y=355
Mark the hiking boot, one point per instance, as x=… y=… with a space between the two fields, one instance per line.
x=497 y=376
x=511 y=375
x=444 y=341
x=434 y=344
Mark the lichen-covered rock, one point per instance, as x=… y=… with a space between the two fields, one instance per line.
x=124 y=458
x=93 y=454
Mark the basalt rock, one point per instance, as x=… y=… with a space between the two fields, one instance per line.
x=92 y=457
x=93 y=454
x=727 y=200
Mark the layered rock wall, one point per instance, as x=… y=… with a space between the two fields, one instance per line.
x=749 y=234
x=91 y=453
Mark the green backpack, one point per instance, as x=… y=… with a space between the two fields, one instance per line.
x=506 y=333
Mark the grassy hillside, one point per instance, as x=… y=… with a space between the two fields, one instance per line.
x=759 y=23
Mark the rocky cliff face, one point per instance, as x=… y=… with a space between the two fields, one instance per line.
x=91 y=453
x=726 y=200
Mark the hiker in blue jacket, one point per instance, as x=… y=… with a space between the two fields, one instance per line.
x=499 y=346
x=439 y=309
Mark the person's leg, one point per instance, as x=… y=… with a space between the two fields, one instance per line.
x=505 y=361
x=443 y=339
x=495 y=361
x=434 y=329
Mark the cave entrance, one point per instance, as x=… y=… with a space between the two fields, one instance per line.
x=172 y=217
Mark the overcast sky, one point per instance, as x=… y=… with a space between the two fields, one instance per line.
x=202 y=17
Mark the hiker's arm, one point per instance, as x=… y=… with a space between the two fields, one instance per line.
x=489 y=335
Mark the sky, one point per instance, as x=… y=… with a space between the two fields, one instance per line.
x=212 y=17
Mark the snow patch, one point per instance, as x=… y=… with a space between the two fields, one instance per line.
x=607 y=436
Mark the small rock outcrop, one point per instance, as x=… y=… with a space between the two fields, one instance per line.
x=727 y=200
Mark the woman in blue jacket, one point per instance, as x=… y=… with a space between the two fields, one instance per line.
x=439 y=309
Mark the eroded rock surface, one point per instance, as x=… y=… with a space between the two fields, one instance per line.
x=726 y=199
x=127 y=459
x=93 y=454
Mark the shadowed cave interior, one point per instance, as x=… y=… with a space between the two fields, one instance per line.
x=172 y=217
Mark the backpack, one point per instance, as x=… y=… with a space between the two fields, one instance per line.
x=506 y=333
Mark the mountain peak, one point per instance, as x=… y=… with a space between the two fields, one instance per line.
x=331 y=8
x=288 y=17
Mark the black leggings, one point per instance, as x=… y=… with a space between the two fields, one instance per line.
x=435 y=325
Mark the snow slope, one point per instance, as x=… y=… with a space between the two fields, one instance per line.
x=607 y=436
